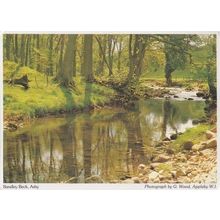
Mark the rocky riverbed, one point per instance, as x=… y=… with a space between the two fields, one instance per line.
x=195 y=164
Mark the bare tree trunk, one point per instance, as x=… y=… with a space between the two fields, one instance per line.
x=111 y=49
x=88 y=58
x=27 y=50
x=119 y=54
x=60 y=67
x=136 y=57
x=22 y=50
x=74 y=54
x=102 y=52
x=8 y=47
x=50 y=58
x=15 y=47
x=38 y=53
x=67 y=64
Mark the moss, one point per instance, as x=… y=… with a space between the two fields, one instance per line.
x=167 y=168
x=42 y=97
x=195 y=134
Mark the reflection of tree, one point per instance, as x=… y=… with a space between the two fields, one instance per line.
x=35 y=159
x=87 y=130
x=24 y=140
x=10 y=155
x=67 y=136
x=169 y=112
x=87 y=146
x=134 y=137
x=52 y=161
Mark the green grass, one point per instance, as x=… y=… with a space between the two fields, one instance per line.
x=41 y=98
x=195 y=134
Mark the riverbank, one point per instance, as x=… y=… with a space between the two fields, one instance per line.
x=196 y=163
x=45 y=97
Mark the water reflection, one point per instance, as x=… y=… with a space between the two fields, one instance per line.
x=109 y=142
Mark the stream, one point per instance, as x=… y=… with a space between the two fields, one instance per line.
x=108 y=142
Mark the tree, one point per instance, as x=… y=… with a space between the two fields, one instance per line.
x=102 y=41
x=38 y=52
x=211 y=69
x=27 y=50
x=111 y=49
x=22 y=50
x=50 y=55
x=176 y=52
x=67 y=64
x=119 y=49
x=8 y=47
x=136 y=57
x=15 y=47
x=88 y=58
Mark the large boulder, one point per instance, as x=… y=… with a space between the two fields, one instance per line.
x=209 y=134
x=212 y=143
x=142 y=169
x=206 y=152
x=173 y=136
x=197 y=147
x=200 y=94
x=214 y=130
x=180 y=172
x=153 y=166
x=188 y=145
x=161 y=158
x=153 y=176
x=170 y=151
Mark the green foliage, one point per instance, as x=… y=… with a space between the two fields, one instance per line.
x=176 y=50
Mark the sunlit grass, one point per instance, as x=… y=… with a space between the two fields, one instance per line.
x=42 y=97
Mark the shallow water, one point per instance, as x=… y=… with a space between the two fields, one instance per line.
x=110 y=142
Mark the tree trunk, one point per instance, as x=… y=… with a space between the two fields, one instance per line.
x=67 y=74
x=119 y=55
x=168 y=71
x=212 y=87
x=22 y=50
x=60 y=66
x=88 y=58
x=102 y=52
x=136 y=58
x=111 y=49
x=74 y=54
x=27 y=50
x=38 y=53
x=15 y=47
x=8 y=47
x=50 y=55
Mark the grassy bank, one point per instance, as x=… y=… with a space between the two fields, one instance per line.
x=44 y=96
x=195 y=134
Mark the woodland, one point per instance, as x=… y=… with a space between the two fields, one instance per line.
x=68 y=90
